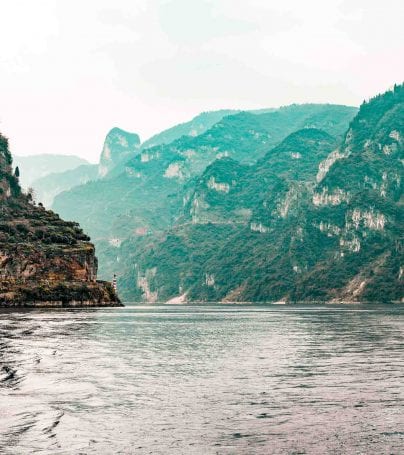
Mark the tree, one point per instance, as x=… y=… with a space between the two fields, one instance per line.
x=17 y=172
x=31 y=194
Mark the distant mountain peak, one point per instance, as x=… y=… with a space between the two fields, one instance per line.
x=119 y=146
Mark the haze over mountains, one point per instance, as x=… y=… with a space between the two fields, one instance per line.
x=148 y=194
x=37 y=166
x=312 y=220
x=50 y=175
x=297 y=203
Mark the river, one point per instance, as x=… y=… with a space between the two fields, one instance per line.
x=214 y=379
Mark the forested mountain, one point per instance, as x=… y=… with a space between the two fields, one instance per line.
x=194 y=127
x=147 y=196
x=119 y=146
x=311 y=220
x=44 y=260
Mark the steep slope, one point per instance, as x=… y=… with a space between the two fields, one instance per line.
x=225 y=213
x=119 y=147
x=308 y=222
x=233 y=192
x=44 y=261
x=147 y=196
x=358 y=204
x=36 y=166
x=139 y=198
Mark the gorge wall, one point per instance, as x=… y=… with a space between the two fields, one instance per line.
x=44 y=260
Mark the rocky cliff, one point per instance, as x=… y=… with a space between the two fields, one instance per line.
x=44 y=261
x=143 y=197
x=119 y=147
x=316 y=219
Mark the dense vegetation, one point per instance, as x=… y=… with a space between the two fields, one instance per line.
x=283 y=230
x=21 y=221
x=148 y=194
x=44 y=260
x=298 y=203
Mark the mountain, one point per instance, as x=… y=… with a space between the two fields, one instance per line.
x=147 y=195
x=224 y=208
x=119 y=147
x=44 y=261
x=311 y=221
x=228 y=191
x=358 y=205
x=49 y=186
x=36 y=166
x=330 y=117
x=194 y=127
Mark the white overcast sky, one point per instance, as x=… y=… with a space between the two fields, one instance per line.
x=71 y=70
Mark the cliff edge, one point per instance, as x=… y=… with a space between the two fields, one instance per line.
x=44 y=260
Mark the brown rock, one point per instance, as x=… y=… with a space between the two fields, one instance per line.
x=44 y=261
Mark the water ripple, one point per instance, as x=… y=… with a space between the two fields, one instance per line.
x=202 y=380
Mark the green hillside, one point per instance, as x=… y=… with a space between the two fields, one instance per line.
x=194 y=127
x=148 y=194
x=324 y=226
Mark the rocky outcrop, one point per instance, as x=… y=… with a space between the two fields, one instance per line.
x=119 y=147
x=44 y=261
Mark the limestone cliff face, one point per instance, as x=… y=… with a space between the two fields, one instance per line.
x=119 y=146
x=44 y=261
x=317 y=219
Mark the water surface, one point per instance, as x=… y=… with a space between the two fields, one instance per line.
x=202 y=380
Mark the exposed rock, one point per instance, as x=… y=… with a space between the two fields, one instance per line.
x=259 y=227
x=325 y=165
x=44 y=261
x=174 y=171
x=218 y=186
x=143 y=282
x=325 y=227
x=119 y=146
x=335 y=198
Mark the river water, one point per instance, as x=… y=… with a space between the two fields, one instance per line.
x=203 y=380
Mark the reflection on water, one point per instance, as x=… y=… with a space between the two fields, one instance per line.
x=202 y=380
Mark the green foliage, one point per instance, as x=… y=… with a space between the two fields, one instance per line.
x=216 y=256
x=229 y=214
x=196 y=126
x=144 y=197
x=21 y=221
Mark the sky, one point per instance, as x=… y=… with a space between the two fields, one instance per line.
x=71 y=70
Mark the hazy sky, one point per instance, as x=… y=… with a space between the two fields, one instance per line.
x=71 y=70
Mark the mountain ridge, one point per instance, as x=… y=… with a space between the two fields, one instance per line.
x=334 y=235
x=125 y=202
